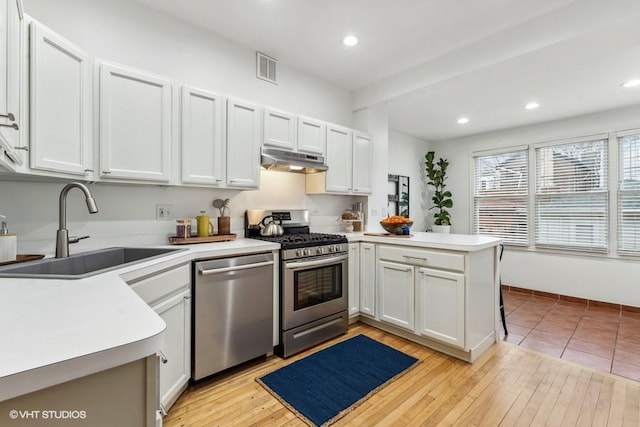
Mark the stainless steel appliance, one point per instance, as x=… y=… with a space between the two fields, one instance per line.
x=313 y=280
x=233 y=312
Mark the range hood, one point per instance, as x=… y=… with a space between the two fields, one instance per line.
x=290 y=161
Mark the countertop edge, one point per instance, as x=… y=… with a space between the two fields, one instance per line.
x=16 y=382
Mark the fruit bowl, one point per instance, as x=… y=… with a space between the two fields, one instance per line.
x=395 y=224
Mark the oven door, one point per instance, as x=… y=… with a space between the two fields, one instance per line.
x=313 y=288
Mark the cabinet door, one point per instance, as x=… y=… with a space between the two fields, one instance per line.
x=60 y=104
x=10 y=82
x=202 y=143
x=362 y=161
x=440 y=296
x=243 y=144
x=339 y=159
x=279 y=129
x=135 y=125
x=354 y=278
x=396 y=292
x=175 y=357
x=312 y=136
x=368 y=279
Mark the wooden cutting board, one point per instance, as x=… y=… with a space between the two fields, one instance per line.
x=23 y=258
x=405 y=236
x=175 y=240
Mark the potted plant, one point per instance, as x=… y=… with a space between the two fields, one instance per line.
x=437 y=174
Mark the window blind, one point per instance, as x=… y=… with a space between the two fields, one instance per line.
x=571 y=199
x=629 y=194
x=501 y=196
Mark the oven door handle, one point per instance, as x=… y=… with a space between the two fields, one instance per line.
x=235 y=268
x=324 y=261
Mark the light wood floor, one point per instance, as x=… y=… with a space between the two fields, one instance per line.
x=507 y=386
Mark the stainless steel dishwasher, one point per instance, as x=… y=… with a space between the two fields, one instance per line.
x=233 y=312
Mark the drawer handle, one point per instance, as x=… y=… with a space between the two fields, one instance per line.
x=12 y=126
x=415 y=257
x=163 y=358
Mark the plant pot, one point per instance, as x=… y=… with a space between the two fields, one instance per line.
x=446 y=229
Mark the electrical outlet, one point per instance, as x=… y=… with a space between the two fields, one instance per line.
x=314 y=211
x=164 y=212
x=374 y=212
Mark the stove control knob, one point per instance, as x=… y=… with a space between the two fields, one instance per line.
x=337 y=248
x=319 y=251
x=332 y=249
x=299 y=252
x=306 y=252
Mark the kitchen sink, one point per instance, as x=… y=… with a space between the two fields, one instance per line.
x=84 y=264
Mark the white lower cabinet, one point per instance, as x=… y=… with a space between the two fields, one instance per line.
x=368 y=279
x=169 y=294
x=354 y=278
x=440 y=305
x=396 y=290
x=175 y=355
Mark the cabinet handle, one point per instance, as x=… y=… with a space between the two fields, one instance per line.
x=12 y=126
x=9 y=116
x=415 y=257
x=163 y=358
x=88 y=170
x=187 y=298
x=406 y=270
x=25 y=148
x=106 y=172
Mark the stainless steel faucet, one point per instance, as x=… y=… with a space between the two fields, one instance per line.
x=62 y=236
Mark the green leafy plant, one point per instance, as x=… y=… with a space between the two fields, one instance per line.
x=437 y=174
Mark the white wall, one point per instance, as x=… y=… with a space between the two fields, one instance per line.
x=406 y=157
x=602 y=279
x=132 y=34
x=126 y=32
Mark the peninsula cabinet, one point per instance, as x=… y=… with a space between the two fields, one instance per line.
x=396 y=289
x=202 y=137
x=442 y=296
x=368 y=279
x=135 y=125
x=354 y=278
x=244 y=133
x=11 y=143
x=60 y=112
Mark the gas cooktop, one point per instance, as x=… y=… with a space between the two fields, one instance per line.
x=303 y=240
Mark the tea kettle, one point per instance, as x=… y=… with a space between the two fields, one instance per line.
x=272 y=228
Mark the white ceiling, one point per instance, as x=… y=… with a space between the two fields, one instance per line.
x=431 y=61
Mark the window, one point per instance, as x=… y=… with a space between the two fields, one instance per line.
x=501 y=196
x=571 y=199
x=629 y=194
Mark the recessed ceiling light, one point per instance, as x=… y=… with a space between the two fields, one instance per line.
x=531 y=106
x=350 y=40
x=463 y=120
x=631 y=83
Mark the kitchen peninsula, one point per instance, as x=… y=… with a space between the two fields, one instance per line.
x=440 y=290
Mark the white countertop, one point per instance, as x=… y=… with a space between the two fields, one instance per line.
x=454 y=242
x=54 y=331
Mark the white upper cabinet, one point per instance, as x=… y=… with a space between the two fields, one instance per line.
x=362 y=161
x=279 y=129
x=135 y=124
x=10 y=82
x=339 y=159
x=244 y=125
x=60 y=112
x=312 y=136
x=202 y=137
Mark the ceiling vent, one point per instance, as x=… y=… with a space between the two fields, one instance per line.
x=266 y=67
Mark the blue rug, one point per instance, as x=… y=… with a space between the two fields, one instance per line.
x=326 y=385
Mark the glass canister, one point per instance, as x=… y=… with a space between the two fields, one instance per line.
x=183 y=228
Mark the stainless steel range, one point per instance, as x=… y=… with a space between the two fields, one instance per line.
x=313 y=280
